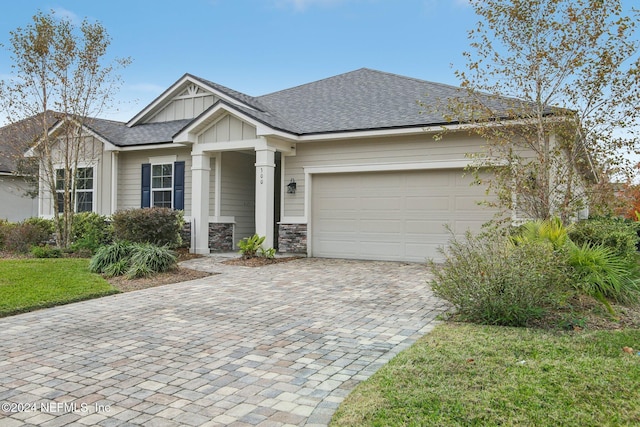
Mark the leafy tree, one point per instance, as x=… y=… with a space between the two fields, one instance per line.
x=552 y=87
x=60 y=67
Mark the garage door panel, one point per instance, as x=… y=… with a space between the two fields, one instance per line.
x=392 y=215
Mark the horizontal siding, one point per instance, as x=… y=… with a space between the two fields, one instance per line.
x=238 y=192
x=129 y=175
x=405 y=149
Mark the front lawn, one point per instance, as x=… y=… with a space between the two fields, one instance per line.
x=29 y=284
x=464 y=374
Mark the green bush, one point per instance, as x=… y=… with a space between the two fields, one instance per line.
x=110 y=254
x=160 y=226
x=147 y=259
x=490 y=280
x=618 y=235
x=46 y=225
x=249 y=246
x=46 y=252
x=90 y=231
x=598 y=271
x=21 y=237
x=132 y=259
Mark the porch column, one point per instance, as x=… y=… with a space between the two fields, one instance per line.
x=265 y=171
x=200 y=171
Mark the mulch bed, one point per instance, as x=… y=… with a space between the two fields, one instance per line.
x=258 y=261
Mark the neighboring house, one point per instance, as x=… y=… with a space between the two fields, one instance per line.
x=343 y=167
x=15 y=202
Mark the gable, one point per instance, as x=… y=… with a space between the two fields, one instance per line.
x=190 y=102
x=228 y=128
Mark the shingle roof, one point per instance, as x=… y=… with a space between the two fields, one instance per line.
x=359 y=100
x=18 y=137
x=363 y=99
x=149 y=133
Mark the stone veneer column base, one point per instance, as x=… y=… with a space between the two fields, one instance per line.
x=292 y=238
x=221 y=237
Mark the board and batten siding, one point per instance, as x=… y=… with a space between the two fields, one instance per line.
x=371 y=151
x=184 y=108
x=237 y=198
x=228 y=128
x=130 y=173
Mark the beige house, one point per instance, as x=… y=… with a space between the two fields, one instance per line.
x=343 y=167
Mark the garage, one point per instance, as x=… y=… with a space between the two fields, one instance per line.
x=394 y=216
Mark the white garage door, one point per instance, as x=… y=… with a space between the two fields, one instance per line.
x=392 y=215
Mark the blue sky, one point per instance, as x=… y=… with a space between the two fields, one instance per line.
x=260 y=46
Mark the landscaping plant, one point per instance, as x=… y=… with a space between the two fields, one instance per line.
x=160 y=226
x=251 y=247
x=132 y=259
x=492 y=281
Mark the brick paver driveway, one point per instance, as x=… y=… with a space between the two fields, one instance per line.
x=276 y=345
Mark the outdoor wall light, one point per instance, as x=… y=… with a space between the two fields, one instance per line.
x=291 y=186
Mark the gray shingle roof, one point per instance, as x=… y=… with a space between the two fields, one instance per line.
x=359 y=100
x=150 y=133
x=363 y=99
x=18 y=137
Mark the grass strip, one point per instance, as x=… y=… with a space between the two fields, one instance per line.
x=30 y=284
x=463 y=374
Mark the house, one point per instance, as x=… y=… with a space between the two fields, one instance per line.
x=342 y=167
x=16 y=202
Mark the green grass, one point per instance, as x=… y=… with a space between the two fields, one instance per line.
x=30 y=284
x=469 y=375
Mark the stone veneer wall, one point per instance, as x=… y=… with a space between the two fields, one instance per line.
x=185 y=234
x=221 y=237
x=292 y=238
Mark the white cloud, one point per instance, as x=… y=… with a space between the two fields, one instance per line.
x=301 y=5
x=63 y=13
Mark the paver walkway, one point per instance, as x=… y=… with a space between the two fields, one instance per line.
x=269 y=346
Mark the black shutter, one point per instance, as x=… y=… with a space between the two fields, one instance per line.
x=146 y=185
x=178 y=186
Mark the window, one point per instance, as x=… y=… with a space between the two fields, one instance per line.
x=84 y=189
x=161 y=185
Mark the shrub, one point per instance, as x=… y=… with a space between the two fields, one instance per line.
x=598 y=271
x=147 y=259
x=249 y=246
x=618 y=235
x=489 y=280
x=46 y=252
x=46 y=225
x=132 y=259
x=110 y=254
x=160 y=226
x=22 y=236
x=551 y=232
x=90 y=231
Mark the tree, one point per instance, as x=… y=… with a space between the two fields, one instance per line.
x=552 y=86
x=62 y=68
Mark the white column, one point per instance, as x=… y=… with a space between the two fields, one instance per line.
x=200 y=171
x=114 y=182
x=265 y=171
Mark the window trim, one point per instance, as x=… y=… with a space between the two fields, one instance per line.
x=162 y=189
x=93 y=189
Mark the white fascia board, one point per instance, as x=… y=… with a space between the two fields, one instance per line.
x=197 y=127
x=151 y=146
x=382 y=167
x=108 y=146
x=172 y=92
x=264 y=130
